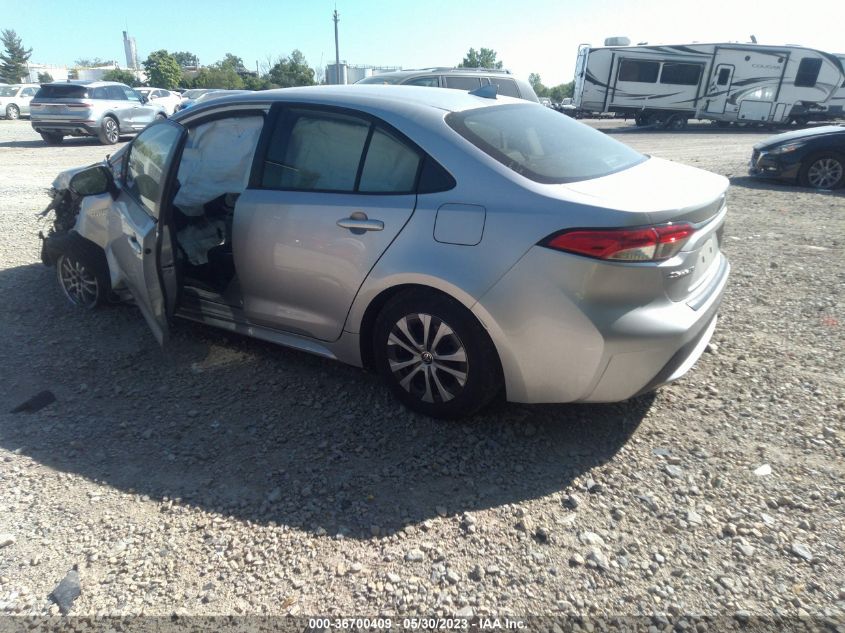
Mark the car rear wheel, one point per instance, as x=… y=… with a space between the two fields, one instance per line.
x=82 y=272
x=823 y=171
x=109 y=131
x=676 y=122
x=52 y=138
x=435 y=356
x=12 y=111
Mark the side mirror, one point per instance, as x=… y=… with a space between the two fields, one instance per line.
x=144 y=99
x=93 y=182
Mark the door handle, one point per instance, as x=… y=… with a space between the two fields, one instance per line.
x=135 y=244
x=358 y=222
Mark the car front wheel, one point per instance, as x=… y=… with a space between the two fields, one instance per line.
x=435 y=356
x=82 y=273
x=823 y=171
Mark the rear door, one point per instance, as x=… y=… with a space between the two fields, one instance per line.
x=138 y=240
x=331 y=191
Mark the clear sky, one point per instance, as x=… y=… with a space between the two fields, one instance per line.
x=529 y=36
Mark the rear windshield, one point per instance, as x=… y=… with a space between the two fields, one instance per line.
x=380 y=79
x=541 y=144
x=62 y=91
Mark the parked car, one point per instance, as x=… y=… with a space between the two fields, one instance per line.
x=15 y=99
x=189 y=96
x=467 y=79
x=212 y=94
x=159 y=96
x=454 y=243
x=104 y=109
x=813 y=157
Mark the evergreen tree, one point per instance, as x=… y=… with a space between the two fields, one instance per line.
x=13 y=67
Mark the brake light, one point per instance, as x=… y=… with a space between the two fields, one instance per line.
x=647 y=244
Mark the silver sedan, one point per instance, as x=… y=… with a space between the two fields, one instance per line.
x=459 y=244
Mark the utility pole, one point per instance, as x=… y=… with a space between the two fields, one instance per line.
x=336 y=19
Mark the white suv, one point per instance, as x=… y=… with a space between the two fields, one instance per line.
x=167 y=99
x=14 y=99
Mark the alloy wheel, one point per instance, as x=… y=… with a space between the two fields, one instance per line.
x=427 y=358
x=824 y=173
x=112 y=132
x=77 y=282
x=12 y=112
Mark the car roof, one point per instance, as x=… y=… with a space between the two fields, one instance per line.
x=399 y=98
x=443 y=69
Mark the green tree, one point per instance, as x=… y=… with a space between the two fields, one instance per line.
x=483 y=58
x=258 y=83
x=184 y=59
x=163 y=71
x=560 y=92
x=292 y=71
x=539 y=89
x=232 y=61
x=85 y=62
x=44 y=78
x=123 y=76
x=218 y=75
x=14 y=59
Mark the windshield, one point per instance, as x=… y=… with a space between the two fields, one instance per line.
x=9 y=91
x=541 y=144
x=380 y=79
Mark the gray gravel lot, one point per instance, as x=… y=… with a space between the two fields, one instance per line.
x=225 y=475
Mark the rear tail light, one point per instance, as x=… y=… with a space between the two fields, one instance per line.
x=80 y=106
x=648 y=244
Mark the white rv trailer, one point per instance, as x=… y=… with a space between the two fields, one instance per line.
x=667 y=85
x=833 y=108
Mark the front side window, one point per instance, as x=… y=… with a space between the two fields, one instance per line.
x=146 y=168
x=462 y=83
x=128 y=93
x=642 y=72
x=430 y=81
x=538 y=143
x=808 y=72
x=681 y=74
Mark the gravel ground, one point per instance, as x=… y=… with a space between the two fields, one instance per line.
x=224 y=475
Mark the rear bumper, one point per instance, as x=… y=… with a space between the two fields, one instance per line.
x=556 y=347
x=68 y=128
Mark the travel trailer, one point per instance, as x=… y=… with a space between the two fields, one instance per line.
x=742 y=83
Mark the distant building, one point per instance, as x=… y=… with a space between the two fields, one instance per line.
x=96 y=74
x=58 y=73
x=131 y=52
x=351 y=73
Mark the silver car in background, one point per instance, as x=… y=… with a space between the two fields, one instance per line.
x=104 y=109
x=458 y=244
x=15 y=99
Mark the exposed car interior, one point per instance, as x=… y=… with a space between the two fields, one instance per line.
x=213 y=172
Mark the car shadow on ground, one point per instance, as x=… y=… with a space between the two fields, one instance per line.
x=265 y=434
x=749 y=182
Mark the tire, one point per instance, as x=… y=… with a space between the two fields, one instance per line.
x=676 y=122
x=640 y=120
x=109 y=133
x=825 y=170
x=52 y=138
x=12 y=112
x=418 y=328
x=82 y=272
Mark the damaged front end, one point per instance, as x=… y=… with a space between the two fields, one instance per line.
x=66 y=205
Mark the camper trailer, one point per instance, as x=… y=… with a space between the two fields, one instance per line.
x=742 y=83
x=834 y=108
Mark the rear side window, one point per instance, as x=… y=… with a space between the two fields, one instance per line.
x=507 y=87
x=642 y=72
x=462 y=83
x=681 y=74
x=538 y=143
x=808 y=72
x=28 y=92
x=62 y=91
x=390 y=166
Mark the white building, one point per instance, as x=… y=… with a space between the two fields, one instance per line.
x=351 y=73
x=58 y=73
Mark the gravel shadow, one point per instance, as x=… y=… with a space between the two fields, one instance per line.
x=265 y=434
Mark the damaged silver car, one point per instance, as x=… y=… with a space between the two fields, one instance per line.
x=460 y=244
